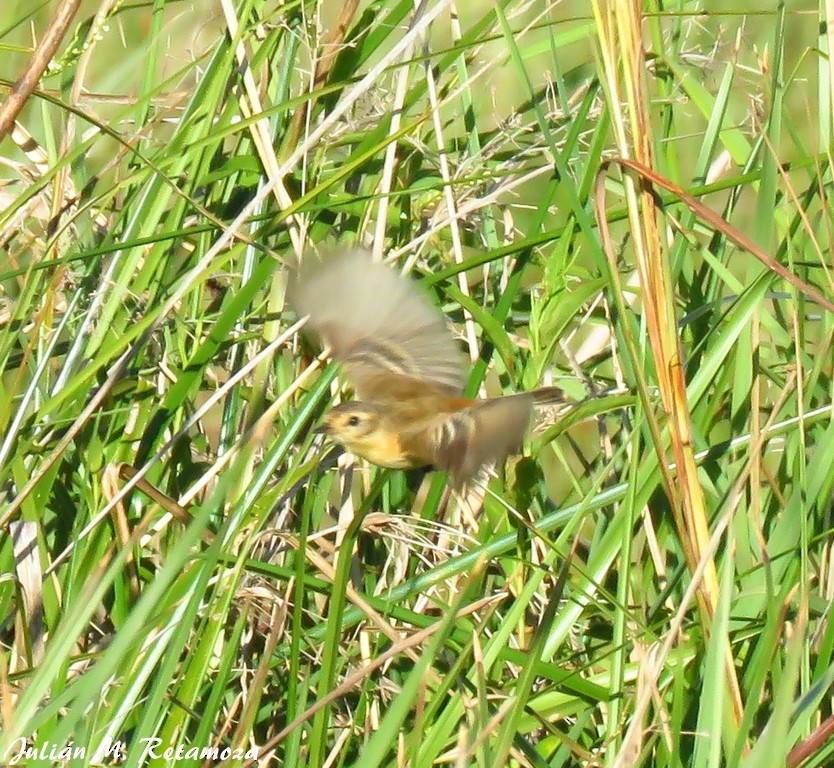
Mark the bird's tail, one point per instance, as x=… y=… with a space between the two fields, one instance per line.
x=548 y=396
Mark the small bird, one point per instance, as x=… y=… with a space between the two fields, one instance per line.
x=406 y=372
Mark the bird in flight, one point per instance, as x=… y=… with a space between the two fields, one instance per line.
x=406 y=372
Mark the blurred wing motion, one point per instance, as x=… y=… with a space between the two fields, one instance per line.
x=484 y=433
x=380 y=325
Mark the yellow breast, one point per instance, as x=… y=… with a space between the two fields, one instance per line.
x=382 y=448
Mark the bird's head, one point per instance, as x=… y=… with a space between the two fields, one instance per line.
x=355 y=425
x=363 y=430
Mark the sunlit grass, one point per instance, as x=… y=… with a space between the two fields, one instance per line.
x=319 y=612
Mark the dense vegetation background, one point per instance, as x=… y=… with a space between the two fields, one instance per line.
x=649 y=585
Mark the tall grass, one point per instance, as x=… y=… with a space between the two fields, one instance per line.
x=184 y=566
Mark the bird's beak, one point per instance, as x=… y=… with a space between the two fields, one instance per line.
x=323 y=429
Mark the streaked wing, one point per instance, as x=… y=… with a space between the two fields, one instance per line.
x=379 y=324
x=484 y=433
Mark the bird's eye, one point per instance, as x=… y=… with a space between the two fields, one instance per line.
x=353 y=421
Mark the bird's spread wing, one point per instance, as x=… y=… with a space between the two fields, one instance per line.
x=380 y=325
x=484 y=433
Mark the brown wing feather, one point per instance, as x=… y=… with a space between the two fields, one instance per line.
x=485 y=433
x=379 y=324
